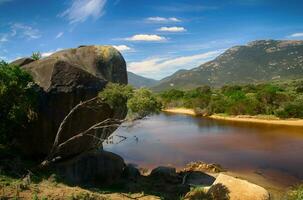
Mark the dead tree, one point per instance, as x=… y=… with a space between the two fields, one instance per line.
x=91 y=132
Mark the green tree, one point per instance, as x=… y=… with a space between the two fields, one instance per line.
x=139 y=102
x=292 y=109
x=17 y=100
x=173 y=94
x=143 y=103
x=116 y=95
x=299 y=87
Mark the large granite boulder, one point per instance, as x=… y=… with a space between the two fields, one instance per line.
x=67 y=78
x=92 y=168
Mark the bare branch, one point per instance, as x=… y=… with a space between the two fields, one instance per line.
x=56 y=141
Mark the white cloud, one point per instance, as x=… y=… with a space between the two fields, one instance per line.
x=16 y=58
x=3 y=39
x=296 y=35
x=48 y=53
x=122 y=48
x=146 y=37
x=4 y=1
x=163 y=19
x=25 y=31
x=172 y=29
x=59 y=35
x=158 y=67
x=81 y=10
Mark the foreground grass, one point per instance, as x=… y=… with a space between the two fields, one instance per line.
x=51 y=189
x=296 y=193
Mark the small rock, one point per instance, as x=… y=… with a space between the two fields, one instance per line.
x=131 y=172
x=196 y=178
x=167 y=174
x=163 y=171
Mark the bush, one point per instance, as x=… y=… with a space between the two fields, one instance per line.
x=36 y=56
x=116 y=95
x=296 y=193
x=268 y=93
x=17 y=100
x=229 y=89
x=218 y=104
x=299 y=88
x=172 y=94
x=291 y=110
x=143 y=103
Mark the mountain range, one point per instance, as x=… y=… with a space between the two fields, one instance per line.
x=139 y=81
x=261 y=60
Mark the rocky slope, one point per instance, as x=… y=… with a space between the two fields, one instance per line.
x=261 y=60
x=140 y=81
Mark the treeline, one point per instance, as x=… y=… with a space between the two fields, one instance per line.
x=282 y=100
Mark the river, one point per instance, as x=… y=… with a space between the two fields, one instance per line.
x=275 y=152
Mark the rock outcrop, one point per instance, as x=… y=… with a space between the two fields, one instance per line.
x=203 y=167
x=22 y=61
x=167 y=174
x=92 y=168
x=66 y=78
x=238 y=189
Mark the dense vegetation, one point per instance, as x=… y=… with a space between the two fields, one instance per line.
x=140 y=102
x=17 y=101
x=284 y=100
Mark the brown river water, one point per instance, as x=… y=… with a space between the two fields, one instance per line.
x=175 y=139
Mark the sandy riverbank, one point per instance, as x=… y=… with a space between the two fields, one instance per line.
x=241 y=118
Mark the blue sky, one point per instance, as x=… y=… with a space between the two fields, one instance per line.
x=156 y=37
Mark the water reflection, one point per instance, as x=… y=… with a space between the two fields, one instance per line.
x=178 y=139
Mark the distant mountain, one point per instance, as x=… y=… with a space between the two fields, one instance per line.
x=140 y=81
x=261 y=60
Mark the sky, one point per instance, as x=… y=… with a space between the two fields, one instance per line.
x=156 y=37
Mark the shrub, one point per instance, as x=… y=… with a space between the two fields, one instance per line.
x=227 y=89
x=143 y=103
x=218 y=104
x=17 y=100
x=299 y=88
x=36 y=56
x=172 y=94
x=268 y=93
x=116 y=95
x=291 y=110
x=296 y=193
x=139 y=102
